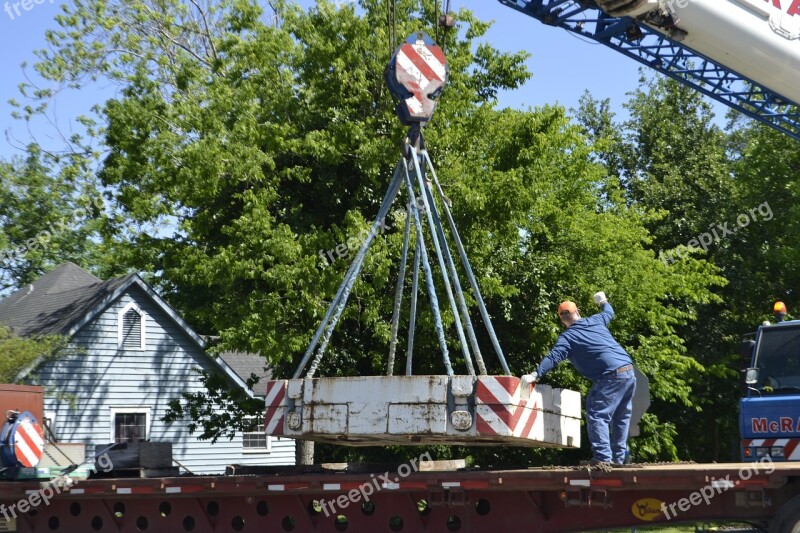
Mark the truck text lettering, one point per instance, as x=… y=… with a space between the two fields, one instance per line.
x=794 y=8
x=785 y=424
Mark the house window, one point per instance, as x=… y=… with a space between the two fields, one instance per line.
x=256 y=440
x=131 y=327
x=129 y=424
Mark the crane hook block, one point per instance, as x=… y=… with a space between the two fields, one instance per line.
x=21 y=441
x=416 y=75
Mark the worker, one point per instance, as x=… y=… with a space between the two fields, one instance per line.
x=588 y=344
x=779 y=310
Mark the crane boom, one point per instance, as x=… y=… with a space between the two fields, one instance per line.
x=756 y=74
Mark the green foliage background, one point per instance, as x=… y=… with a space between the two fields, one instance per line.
x=18 y=354
x=242 y=143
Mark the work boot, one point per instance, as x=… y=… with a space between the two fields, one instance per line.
x=596 y=462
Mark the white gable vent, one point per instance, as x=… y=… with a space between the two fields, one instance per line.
x=131 y=328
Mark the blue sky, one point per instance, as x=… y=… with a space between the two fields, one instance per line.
x=563 y=66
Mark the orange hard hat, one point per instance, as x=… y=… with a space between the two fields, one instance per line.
x=567 y=306
x=779 y=307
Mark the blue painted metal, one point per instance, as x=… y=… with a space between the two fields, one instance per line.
x=398 y=293
x=775 y=417
x=426 y=267
x=771 y=410
x=437 y=235
x=769 y=422
x=8 y=439
x=668 y=57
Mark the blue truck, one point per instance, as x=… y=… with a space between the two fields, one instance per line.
x=769 y=414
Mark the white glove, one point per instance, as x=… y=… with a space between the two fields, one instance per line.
x=528 y=379
x=600 y=298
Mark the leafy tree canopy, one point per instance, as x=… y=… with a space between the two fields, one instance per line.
x=18 y=353
x=46 y=216
x=243 y=144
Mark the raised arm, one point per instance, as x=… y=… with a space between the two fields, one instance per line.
x=606 y=311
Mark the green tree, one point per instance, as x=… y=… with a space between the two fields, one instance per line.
x=19 y=353
x=253 y=146
x=766 y=165
x=673 y=161
x=548 y=221
x=46 y=216
x=254 y=143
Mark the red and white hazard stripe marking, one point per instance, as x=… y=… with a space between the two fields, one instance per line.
x=275 y=413
x=28 y=443
x=498 y=389
x=759 y=442
x=509 y=414
x=422 y=70
x=791 y=447
x=791 y=450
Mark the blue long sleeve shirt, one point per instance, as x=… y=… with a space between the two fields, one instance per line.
x=589 y=346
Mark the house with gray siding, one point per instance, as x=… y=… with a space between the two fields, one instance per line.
x=134 y=355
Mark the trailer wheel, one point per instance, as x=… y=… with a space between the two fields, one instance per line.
x=788 y=518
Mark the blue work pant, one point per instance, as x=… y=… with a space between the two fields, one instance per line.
x=608 y=416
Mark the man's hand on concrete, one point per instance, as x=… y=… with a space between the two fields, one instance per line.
x=600 y=298
x=530 y=379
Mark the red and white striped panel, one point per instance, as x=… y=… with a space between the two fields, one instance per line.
x=498 y=389
x=275 y=413
x=28 y=443
x=791 y=447
x=422 y=70
x=504 y=412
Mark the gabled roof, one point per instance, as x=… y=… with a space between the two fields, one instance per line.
x=56 y=301
x=67 y=298
x=245 y=364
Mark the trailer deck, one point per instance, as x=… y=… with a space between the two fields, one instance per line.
x=406 y=498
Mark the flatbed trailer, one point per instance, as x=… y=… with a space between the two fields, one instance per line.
x=406 y=498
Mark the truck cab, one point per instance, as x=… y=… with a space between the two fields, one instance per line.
x=769 y=415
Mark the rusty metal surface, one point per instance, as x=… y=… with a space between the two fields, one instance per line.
x=312 y=478
x=22 y=398
x=553 y=499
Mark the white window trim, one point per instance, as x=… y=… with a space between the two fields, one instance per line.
x=266 y=449
x=50 y=421
x=143 y=328
x=121 y=410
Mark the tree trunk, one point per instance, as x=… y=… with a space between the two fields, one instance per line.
x=304 y=452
